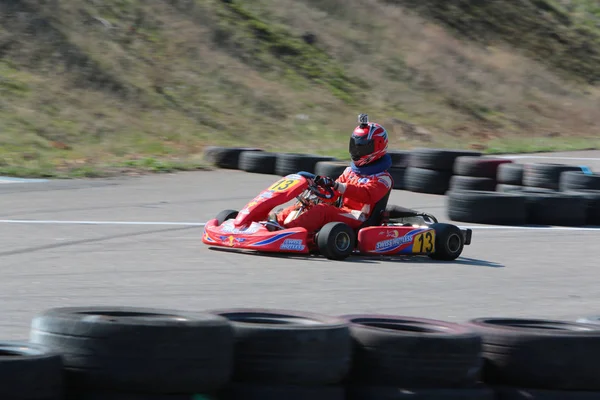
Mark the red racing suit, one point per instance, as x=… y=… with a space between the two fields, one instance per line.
x=360 y=194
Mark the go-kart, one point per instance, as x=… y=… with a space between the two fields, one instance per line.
x=386 y=232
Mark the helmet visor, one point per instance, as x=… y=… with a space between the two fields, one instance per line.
x=360 y=147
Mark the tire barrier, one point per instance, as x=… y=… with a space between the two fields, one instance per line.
x=290 y=163
x=330 y=168
x=577 y=180
x=546 y=176
x=137 y=351
x=259 y=162
x=430 y=170
x=474 y=185
x=476 y=173
x=29 y=371
x=226 y=157
x=130 y=353
x=486 y=207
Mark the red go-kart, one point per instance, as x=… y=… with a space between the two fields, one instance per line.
x=386 y=232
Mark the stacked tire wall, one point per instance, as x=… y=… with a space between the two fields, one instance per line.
x=478 y=188
x=128 y=353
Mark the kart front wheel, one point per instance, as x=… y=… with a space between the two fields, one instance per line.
x=449 y=242
x=225 y=215
x=336 y=240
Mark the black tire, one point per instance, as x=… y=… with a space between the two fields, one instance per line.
x=449 y=242
x=30 y=372
x=413 y=352
x=510 y=174
x=239 y=391
x=590 y=319
x=486 y=207
x=225 y=215
x=117 y=348
x=281 y=347
x=481 y=167
x=336 y=240
x=556 y=209
x=259 y=162
x=225 y=157
x=592 y=198
x=394 y=393
x=138 y=396
x=332 y=169
x=398 y=175
x=577 y=180
x=545 y=175
x=437 y=159
x=540 y=354
x=459 y=182
x=505 y=188
x=291 y=163
x=400 y=158
x=429 y=181
x=510 y=393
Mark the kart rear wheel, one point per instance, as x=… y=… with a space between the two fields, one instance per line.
x=336 y=240
x=225 y=215
x=449 y=242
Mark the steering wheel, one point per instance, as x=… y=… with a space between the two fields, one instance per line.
x=316 y=190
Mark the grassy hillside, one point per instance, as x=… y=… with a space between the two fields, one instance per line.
x=89 y=87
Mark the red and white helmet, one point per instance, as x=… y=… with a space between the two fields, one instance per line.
x=368 y=142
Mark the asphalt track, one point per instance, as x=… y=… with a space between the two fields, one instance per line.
x=136 y=241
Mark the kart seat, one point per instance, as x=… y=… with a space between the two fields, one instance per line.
x=375 y=217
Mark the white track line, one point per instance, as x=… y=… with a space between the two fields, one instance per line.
x=474 y=227
x=27 y=221
x=554 y=157
x=529 y=228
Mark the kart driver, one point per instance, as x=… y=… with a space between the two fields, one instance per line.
x=361 y=185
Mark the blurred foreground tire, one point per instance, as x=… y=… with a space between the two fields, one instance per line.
x=408 y=352
x=135 y=396
x=510 y=393
x=394 y=393
x=486 y=207
x=280 y=347
x=30 y=372
x=139 y=350
x=539 y=354
x=241 y=391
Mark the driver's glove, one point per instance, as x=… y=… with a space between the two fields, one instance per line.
x=326 y=181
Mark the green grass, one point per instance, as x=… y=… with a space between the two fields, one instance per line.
x=103 y=88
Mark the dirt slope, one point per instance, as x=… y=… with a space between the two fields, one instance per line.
x=85 y=84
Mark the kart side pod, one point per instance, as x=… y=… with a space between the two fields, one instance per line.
x=439 y=241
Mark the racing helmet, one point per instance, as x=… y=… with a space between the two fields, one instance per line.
x=368 y=142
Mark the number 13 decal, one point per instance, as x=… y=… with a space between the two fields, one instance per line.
x=424 y=243
x=283 y=184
